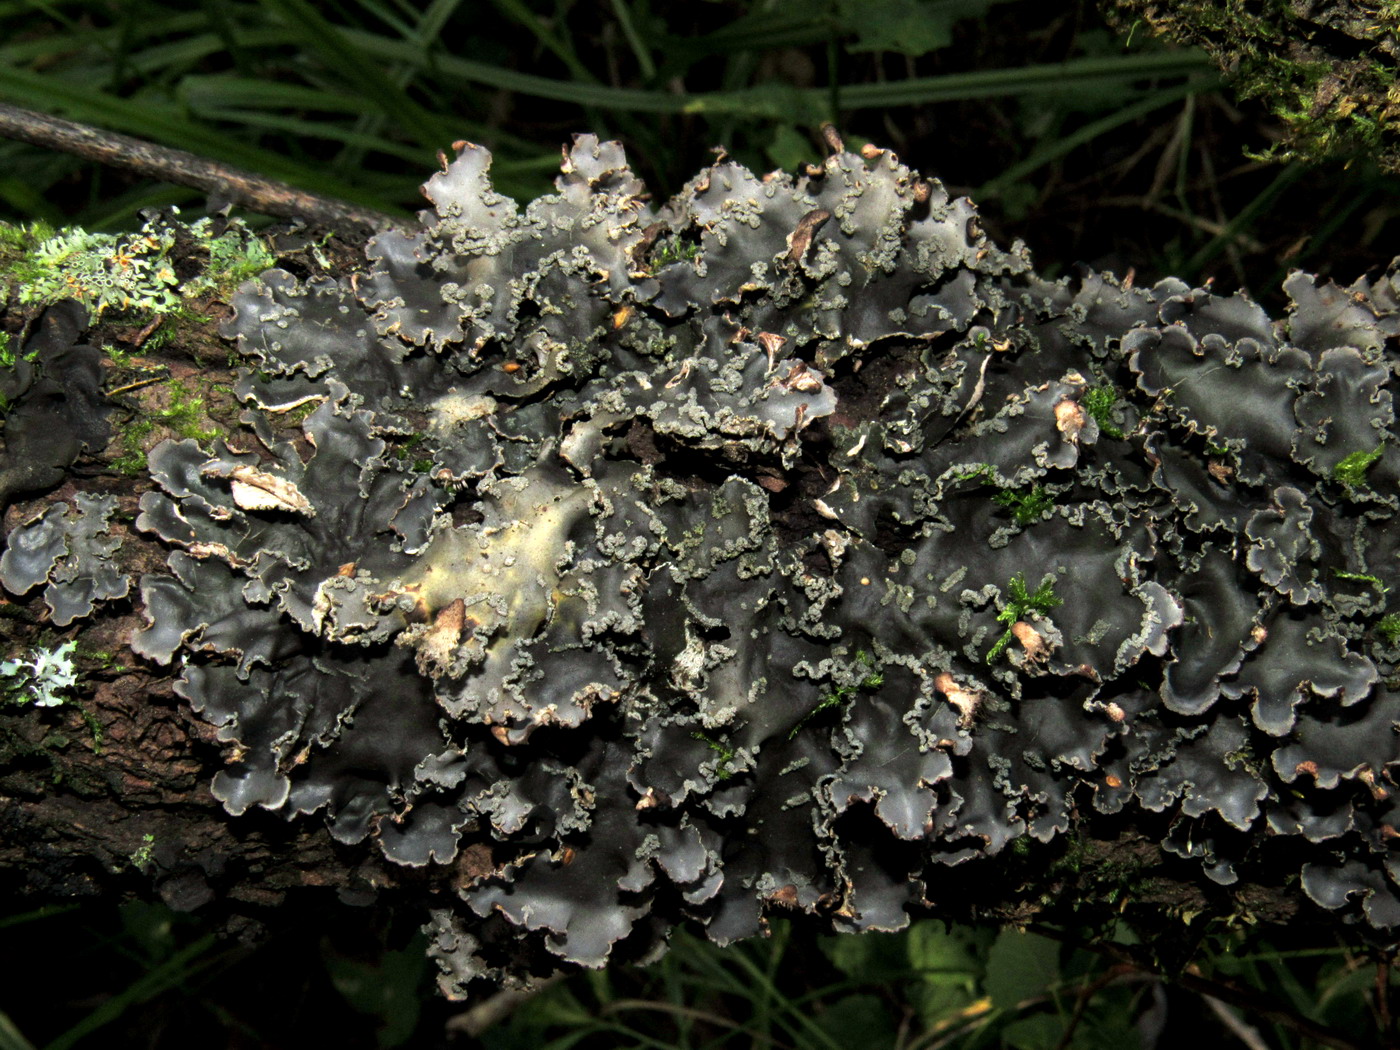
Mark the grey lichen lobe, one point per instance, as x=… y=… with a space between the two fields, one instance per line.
x=765 y=548
x=69 y=551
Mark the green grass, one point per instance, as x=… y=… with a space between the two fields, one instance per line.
x=355 y=100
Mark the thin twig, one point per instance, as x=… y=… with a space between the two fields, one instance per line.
x=488 y=1013
x=254 y=192
x=1090 y=988
x=1247 y=1034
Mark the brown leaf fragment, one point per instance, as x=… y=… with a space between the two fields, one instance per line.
x=255 y=489
x=1069 y=419
x=967 y=701
x=1220 y=470
x=772 y=343
x=438 y=644
x=801 y=237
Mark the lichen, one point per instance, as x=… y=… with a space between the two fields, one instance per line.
x=129 y=273
x=787 y=571
x=53 y=408
x=70 y=553
x=40 y=679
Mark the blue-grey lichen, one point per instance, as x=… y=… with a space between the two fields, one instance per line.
x=51 y=403
x=678 y=578
x=71 y=554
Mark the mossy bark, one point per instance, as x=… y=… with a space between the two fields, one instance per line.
x=1328 y=69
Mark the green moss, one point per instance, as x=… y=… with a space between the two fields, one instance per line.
x=1351 y=471
x=725 y=752
x=164 y=334
x=1021 y=603
x=19 y=242
x=983 y=473
x=870 y=682
x=671 y=248
x=1361 y=577
x=94 y=727
x=9 y=357
x=141 y=856
x=1098 y=402
x=1389 y=627
x=1331 y=82
x=1026 y=507
x=298 y=415
x=183 y=416
x=234 y=256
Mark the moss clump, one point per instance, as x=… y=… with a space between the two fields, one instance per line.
x=183 y=415
x=1019 y=605
x=1098 y=402
x=723 y=750
x=672 y=249
x=1027 y=507
x=870 y=682
x=1329 y=72
x=1389 y=627
x=1351 y=471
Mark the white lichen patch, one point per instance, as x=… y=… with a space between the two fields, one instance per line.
x=503 y=574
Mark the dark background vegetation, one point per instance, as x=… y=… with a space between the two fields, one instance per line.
x=1094 y=147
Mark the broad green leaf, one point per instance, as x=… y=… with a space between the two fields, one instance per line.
x=940 y=955
x=1035 y=1032
x=859 y=1021
x=909 y=27
x=1020 y=966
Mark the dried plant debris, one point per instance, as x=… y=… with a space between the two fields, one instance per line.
x=774 y=547
x=51 y=403
x=68 y=551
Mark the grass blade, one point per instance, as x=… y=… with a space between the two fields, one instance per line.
x=1068 y=143
x=319 y=37
x=11 y=1037
x=178 y=968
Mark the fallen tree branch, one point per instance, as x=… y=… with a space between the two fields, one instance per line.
x=254 y=192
